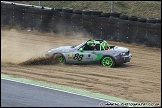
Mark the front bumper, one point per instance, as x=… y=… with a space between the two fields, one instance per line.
x=124 y=59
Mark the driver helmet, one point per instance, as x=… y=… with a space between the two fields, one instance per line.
x=90 y=43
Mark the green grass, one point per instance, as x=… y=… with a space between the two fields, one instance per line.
x=146 y=9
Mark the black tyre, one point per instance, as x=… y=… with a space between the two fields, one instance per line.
x=142 y=20
x=67 y=10
x=86 y=12
x=115 y=14
x=58 y=9
x=124 y=17
x=77 y=11
x=158 y=20
x=151 y=20
x=105 y=15
x=132 y=18
x=96 y=13
x=58 y=58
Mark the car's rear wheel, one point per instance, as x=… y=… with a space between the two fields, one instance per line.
x=59 y=58
x=108 y=61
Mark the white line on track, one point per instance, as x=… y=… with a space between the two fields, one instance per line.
x=56 y=89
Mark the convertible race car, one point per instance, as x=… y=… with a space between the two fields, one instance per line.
x=91 y=51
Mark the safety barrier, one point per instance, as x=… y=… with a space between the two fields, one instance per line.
x=111 y=26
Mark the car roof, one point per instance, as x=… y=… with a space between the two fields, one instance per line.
x=101 y=40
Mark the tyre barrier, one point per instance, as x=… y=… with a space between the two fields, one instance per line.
x=123 y=17
x=77 y=23
x=132 y=18
x=77 y=11
x=67 y=10
x=86 y=12
x=151 y=20
x=96 y=13
x=143 y=20
x=58 y=9
x=105 y=15
x=115 y=14
x=12 y=3
x=158 y=20
x=111 y=26
x=87 y=23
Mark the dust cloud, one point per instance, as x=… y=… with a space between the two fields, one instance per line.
x=27 y=46
x=15 y=49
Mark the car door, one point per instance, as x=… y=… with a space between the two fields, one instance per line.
x=84 y=57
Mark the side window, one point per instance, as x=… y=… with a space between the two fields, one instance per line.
x=97 y=47
x=88 y=48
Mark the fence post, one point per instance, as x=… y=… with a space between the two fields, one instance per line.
x=112 y=6
x=39 y=3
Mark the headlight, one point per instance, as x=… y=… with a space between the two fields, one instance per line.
x=123 y=54
x=49 y=51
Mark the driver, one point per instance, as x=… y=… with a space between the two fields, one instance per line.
x=106 y=48
x=91 y=45
x=105 y=45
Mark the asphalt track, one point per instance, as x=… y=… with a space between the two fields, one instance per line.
x=16 y=94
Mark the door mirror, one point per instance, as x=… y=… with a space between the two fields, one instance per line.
x=81 y=49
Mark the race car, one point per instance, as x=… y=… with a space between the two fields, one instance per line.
x=91 y=51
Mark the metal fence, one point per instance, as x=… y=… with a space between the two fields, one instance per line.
x=146 y=9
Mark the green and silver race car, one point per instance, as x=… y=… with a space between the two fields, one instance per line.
x=91 y=51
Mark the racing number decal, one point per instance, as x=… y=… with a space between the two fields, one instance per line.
x=78 y=57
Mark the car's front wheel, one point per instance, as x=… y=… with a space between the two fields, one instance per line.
x=108 y=61
x=59 y=58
